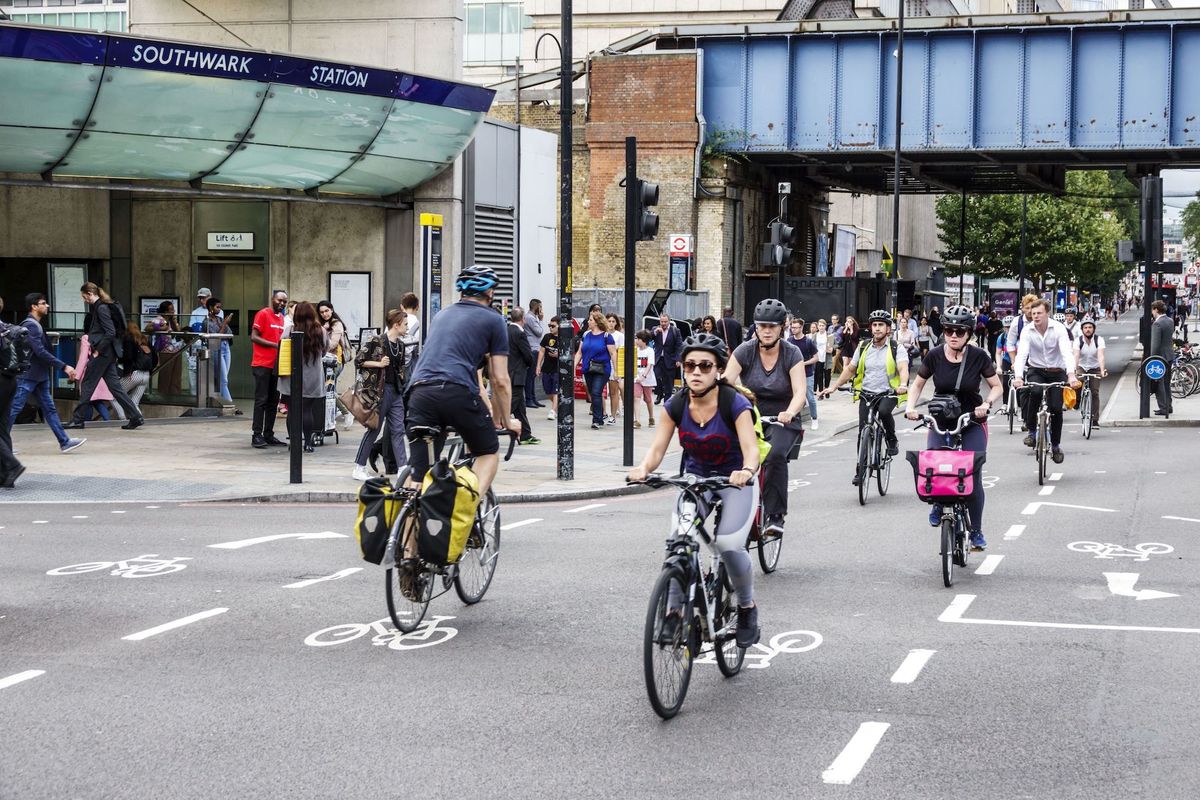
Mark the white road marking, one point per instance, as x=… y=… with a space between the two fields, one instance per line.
x=1133 y=336
x=1121 y=583
x=1033 y=508
x=20 y=677
x=520 y=524
x=1183 y=519
x=79 y=516
x=339 y=574
x=988 y=565
x=40 y=521
x=116 y=512
x=958 y=606
x=238 y=545
x=1160 y=473
x=167 y=626
x=584 y=508
x=853 y=758
x=151 y=506
x=913 y=663
x=1013 y=532
x=1046 y=491
x=1101 y=472
x=1056 y=476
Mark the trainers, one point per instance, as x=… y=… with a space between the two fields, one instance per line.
x=258 y=441
x=774 y=526
x=893 y=447
x=747 y=626
x=814 y=424
x=531 y=440
x=610 y=420
x=651 y=422
x=935 y=515
x=550 y=415
x=72 y=444
x=1057 y=455
x=595 y=426
x=669 y=631
x=978 y=542
x=637 y=423
x=360 y=473
x=1029 y=441
x=857 y=480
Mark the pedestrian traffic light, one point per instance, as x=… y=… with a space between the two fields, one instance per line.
x=778 y=252
x=646 y=221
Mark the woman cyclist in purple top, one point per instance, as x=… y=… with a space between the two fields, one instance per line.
x=711 y=448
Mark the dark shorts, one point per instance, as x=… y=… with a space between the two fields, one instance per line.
x=449 y=405
x=550 y=383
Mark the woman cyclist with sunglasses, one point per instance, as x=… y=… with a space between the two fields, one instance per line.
x=710 y=449
x=956 y=368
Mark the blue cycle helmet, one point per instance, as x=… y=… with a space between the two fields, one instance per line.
x=476 y=280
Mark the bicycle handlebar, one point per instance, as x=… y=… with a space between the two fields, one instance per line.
x=1055 y=385
x=512 y=441
x=657 y=480
x=964 y=421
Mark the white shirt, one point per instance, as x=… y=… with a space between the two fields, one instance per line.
x=412 y=339
x=1014 y=334
x=1089 y=354
x=1049 y=350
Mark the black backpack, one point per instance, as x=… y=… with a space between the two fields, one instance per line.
x=15 y=353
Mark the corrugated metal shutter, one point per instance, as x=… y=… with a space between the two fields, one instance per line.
x=495 y=246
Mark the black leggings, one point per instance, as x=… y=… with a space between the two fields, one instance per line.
x=775 y=468
x=886 y=406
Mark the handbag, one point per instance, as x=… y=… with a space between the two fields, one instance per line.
x=352 y=400
x=597 y=368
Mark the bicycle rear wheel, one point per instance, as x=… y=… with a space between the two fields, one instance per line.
x=768 y=551
x=478 y=562
x=947 y=552
x=409 y=584
x=864 y=461
x=667 y=661
x=730 y=657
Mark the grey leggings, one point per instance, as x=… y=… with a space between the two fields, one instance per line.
x=737 y=515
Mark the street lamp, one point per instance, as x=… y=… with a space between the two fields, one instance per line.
x=896 y=174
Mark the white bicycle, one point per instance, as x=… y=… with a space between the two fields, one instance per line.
x=145 y=566
x=427 y=634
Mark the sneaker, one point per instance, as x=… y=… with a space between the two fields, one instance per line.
x=747 y=626
x=857 y=480
x=652 y=422
x=814 y=424
x=1056 y=454
x=595 y=426
x=669 y=631
x=258 y=441
x=893 y=447
x=637 y=423
x=72 y=444
x=360 y=473
x=935 y=515
x=550 y=415
x=610 y=420
x=774 y=526
x=531 y=440
x=978 y=542
x=1029 y=441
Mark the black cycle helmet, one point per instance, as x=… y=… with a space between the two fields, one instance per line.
x=959 y=317
x=770 y=312
x=881 y=316
x=476 y=280
x=714 y=345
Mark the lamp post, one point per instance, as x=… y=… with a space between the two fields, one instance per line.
x=896 y=174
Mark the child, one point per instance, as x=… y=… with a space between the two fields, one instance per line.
x=547 y=366
x=643 y=387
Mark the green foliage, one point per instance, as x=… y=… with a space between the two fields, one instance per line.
x=1071 y=239
x=1191 y=223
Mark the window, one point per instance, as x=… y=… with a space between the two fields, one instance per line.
x=493 y=32
x=60 y=2
x=27 y=3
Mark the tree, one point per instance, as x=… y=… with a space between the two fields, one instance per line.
x=1191 y=224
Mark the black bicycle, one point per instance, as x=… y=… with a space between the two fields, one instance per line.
x=411 y=581
x=1011 y=405
x=693 y=602
x=767 y=545
x=956 y=520
x=873 y=458
x=1041 y=446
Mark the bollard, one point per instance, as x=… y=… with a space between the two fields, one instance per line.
x=295 y=422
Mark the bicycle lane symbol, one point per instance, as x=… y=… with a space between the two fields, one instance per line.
x=759 y=656
x=429 y=633
x=1139 y=552
x=143 y=566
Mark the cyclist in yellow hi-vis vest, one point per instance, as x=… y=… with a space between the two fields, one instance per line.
x=877 y=366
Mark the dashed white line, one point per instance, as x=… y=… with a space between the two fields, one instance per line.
x=854 y=756
x=339 y=574
x=988 y=565
x=40 y=521
x=1056 y=476
x=116 y=512
x=1183 y=519
x=913 y=663
x=584 y=508
x=151 y=506
x=167 y=626
x=1013 y=532
x=1160 y=472
x=1101 y=472
x=20 y=677
x=1046 y=490
x=80 y=516
x=520 y=524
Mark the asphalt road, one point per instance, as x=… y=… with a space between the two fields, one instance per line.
x=1048 y=678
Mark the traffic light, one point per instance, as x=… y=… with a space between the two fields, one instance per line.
x=778 y=252
x=645 y=221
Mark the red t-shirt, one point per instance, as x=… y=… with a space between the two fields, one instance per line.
x=270 y=327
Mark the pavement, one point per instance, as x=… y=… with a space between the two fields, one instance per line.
x=1123 y=408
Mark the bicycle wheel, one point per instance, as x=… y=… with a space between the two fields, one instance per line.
x=729 y=656
x=864 y=460
x=667 y=663
x=768 y=552
x=1086 y=408
x=960 y=538
x=1040 y=449
x=948 y=551
x=1012 y=411
x=478 y=562
x=409 y=584
x=883 y=466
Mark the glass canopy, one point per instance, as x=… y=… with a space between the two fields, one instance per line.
x=76 y=103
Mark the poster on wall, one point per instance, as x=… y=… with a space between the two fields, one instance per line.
x=350 y=294
x=148 y=309
x=845 y=250
x=66 y=306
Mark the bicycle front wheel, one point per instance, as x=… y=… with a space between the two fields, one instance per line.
x=667 y=655
x=948 y=552
x=1086 y=408
x=1012 y=409
x=883 y=466
x=1040 y=448
x=478 y=562
x=864 y=461
x=730 y=657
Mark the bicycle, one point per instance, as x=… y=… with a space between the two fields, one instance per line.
x=410 y=580
x=873 y=458
x=768 y=547
x=1086 y=399
x=1010 y=408
x=708 y=614
x=1041 y=445
x=955 y=523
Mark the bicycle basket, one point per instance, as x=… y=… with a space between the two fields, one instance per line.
x=945 y=475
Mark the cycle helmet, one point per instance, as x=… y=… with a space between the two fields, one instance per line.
x=1073 y=310
x=770 y=312
x=1087 y=322
x=476 y=280
x=958 y=317
x=881 y=316
x=713 y=345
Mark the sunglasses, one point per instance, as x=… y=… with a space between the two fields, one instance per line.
x=705 y=367
x=955 y=331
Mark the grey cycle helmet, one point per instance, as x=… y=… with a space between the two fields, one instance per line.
x=770 y=312
x=959 y=317
x=714 y=345
x=880 y=316
x=476 y=280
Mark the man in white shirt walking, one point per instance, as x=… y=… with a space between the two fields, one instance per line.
x=1044 y=355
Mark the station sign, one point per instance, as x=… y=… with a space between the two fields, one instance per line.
x=230 y=241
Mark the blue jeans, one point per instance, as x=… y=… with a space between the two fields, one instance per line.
x=596 y=384
x=812 y=397
x=220 y=366
x=40 y=392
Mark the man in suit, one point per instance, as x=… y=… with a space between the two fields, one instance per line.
x=520 y=362
x=1161 y=331
x=667 y=344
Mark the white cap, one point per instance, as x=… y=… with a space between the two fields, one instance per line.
x=204 y=293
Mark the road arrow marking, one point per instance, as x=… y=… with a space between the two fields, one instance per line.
x=339 y=574
x=238 y=545
x=958 y=606
x=1032 y=508
x=1121 y=583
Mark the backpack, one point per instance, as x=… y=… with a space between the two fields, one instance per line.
x=15 y=353
x=725 y=396
x=449 y=498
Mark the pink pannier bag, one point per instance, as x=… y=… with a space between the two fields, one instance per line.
x=944 y=475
